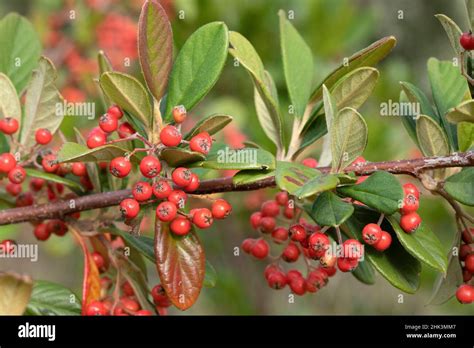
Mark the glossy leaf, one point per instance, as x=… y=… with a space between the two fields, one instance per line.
x=176 y=157
x=330 y=210
x=15 y=292
x=446 y=285
x=291 y=177
x=465 y=136
x=431 y=137
x=50 y=298
x=155 y=47
x=249 y=176
x=34 y=173
x=9 y=102
x=316 y=185
x=73 y=152
x=453 y=32
x=461 y=186
x=197 y=66
x=364 y=272
x=245 y=158
x=464 y=112
x=381 y=191
x=211 y=124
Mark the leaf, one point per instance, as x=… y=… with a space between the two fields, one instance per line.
x=50 y=298
x=316 y=185
x=92 y=169
x=291 y=177
x=461 y=186
x=464 y=112
x=197 y=66
x=315 y=130
x=181 y=265
x=431 y=137
x=348 y=138
x=30 y=172
x=465 y=136
x=245 y=158
x=21 y=49
x=297 y=64
x=251 y=175
x=211 y=124
x=104 y=63
x=470 y=12
x=409 y=121
x=176 y=157
x=445 y=286
x=380 y=191
x=416 y=95
x=73 y=152
x=155 y=47
x=453 y=32
x=330 y=112
x=210 y=278
x=330 y=210
x=42 y=99
x=15 y=292
x=422 y=244
x=369 y=56
x=395 y=264
x=128 y=93
x=364 y=273
x=9 y=102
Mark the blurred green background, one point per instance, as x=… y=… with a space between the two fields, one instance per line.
x=334 y=29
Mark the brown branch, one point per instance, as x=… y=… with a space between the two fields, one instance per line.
x=59 y=209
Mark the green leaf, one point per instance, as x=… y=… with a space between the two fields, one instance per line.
x=409 y=121
x=470 y=12
x=291 y=177
x=245 y=158
x=176 y=157
x=431 y=137
x=9 y=102
x=128 y=93
x=330 y=210
x=395 y=264
x=50 y=298
x=211 y=124
x=348 y=138
x=364 y=273
x=422 y=244
x=464 y=112
x=155 y=47
x=416 y=95
x=317 y=184
x=42 y=99
x=330 y=112
x=465 y=135
x=197 y=66
x=72 y=152
x=30 y=172
x=210 y=278
x=369 y=56
x=15 y=292
x=21 y=49
x=453 y=32
x=446 y=285
x=461 y=186
x=245 y=53
x=380 y=191
x=249 y=176
x=297 y=64
x=104 y=63
x=315 y=130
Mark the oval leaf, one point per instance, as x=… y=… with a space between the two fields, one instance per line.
x=464 y=112
x=73 y=152
x=53 y=178
x=431 y=137
x=50 y=298
x=9 y=102
x=330 y=210
x=316 y=185
x=445 y=286
x=465 y=136
x=453 y=32
x=181 y=265
x=461 y=186
x=249 y=176
x=291 y=177
x=176 y=157
x=238 y=159
x=211 y=124
x=15 y=292
x=364 y=273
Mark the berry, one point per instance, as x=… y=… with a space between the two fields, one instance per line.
x=297 y=233
x=58 y=227
x=467 y=42
x=179 y=113
x=129 y=305
x=17 y=175
x=120 y=167
x=142 y=191
x=178 y=197
x=96 y=139
x=465 y=293
x=411 y=189
x=159 y=296
x=36 y=184
x=310 y=162
x=469 y=263
x=410 y=205
x=41 y=232
x=267 y=224
x=384 y=242
x=371 y=233
x=220 y=209
x=125 y=130
x=202 y=218
x=108 y=123
x=328 y=260
x=143 y=312
x=255 y=219
x=289 y=212
x=9 y=125
x=24 y=200
x=170 y=136
x=247 y=245
x=7 y=162
x=319 y=243
x=7 y=246
x=96 y=308
x=346 y=265
x=291 y=253
x=13 y=189
x=161 y=189
x=466 y=275
x=467 y=235
x=150 y=166
x=166 y=211
x=410 y=222
x=129 y=208
x=464 y=251
x=277 y=280
x=115 y=112
x=270 y=208
x=260 y=249
x=180 y=226
x=79 y=169
x=293 y=274
x=128 y=289
x=98 y=260
x=280 y=235
x=43 y=136
x=298 y=285
x=181 y=176
x=201 y=142
x=352 y=249
x=50 y=164
x=358 y=161
x=194 y=184
x=282 y=198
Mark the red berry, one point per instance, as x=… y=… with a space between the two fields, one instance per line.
x=159 y=296
x=86 y=182
x=319 y=243
x=465 y=250
x=36 y=184
x=297 y=233
x=270 y=208
x=24 y=200
x=410 y=222
x=79 y=169
x=371 y=233
x=411 y=189
x=50 y=163
x=98 y=260
x=314 y=282
x=43 y=136
x=346 y=264
x=125 y=130
x=194 y=184
x=352 y=249
x=466 y=275
x=170 y=136
x=181 y=176
x=96 y=308
x=260 y=249
x=277 y=280
x=331 y=271
x=202 y=218
x=467 y=235
x=108 y=123
x=469 y=263
x=384 y=242
x=293 y=274
x=467 y=42
x=328 y=260
x=291 y=253
x=115 y=111
x=310 y=162
x=298 y=285
x=162 y=189
x=142 y=191
x=9 y=125
x=17 y=175
x=129 y=208
x=180 y=226
x=201 y=142
x=120 y=167
x=410 y=204
x=129 y=304
x=282 y=198
x=150 y=166
x=7 y=246
x=267 y=224
x=280 y=235
x=143 y=312
x=41 y=232
x=58 y=227
x=247 y=245
x=178 y=197
x=96 y=139
x=7 y=162
x=166 y=211
x=255 y=219
x=289 y=212
x=465 y=293
x=358 y=161
x=220 y=209
x=179 y=113
x=13 y=189
x=128 y=289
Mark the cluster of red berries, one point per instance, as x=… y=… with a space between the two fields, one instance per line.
x=410 y=220
x=465 y=293
x=109 y=123
x=467 y=41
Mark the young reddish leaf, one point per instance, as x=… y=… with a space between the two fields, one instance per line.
x=181 y=265
x=91 y=280
x=155 y=47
